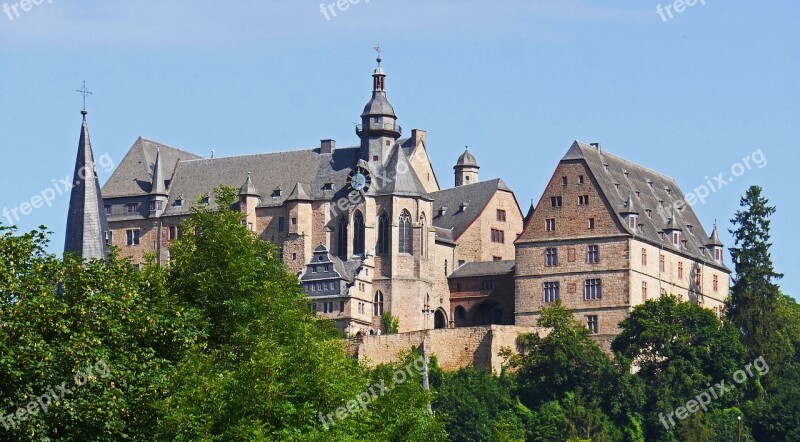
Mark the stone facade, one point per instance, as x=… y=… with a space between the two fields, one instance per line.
x=454 y=348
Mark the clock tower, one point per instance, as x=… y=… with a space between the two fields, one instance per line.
x=378 y=129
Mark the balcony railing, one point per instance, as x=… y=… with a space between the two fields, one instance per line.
x=389 y=127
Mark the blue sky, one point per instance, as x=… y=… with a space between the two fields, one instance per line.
x=517 y=81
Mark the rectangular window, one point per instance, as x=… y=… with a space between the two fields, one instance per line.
x=680 y=270
x=156 y=205
x=498 y=236
x=178 y=203
x=341 y=306
x=716 y=283
x=592 y=289
x=108 y=210
x=489 y=284
x=551 y=256
x=174 y=232
x=132 y=208
x=133 y=237
x=591 y=223
x=644 y=256
x=593 y=254
x=281 y=224
x=563 y=181
x=580 y=179
x=550 y=224
x=591 y=322
x=294 y=221
x=109 y=238
x=644 y=291
x=698 y=278
x=312 y=307
x=501 y=215
x=555 y=201
x=551 y=291
x=497 y=258
x=662 y=264
x=583 y=200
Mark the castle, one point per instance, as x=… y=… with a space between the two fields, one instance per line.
x=369 y=230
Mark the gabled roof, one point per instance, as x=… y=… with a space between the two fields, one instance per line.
x=248 y=188
x=476 y=196
x=485 y=268
x=402 y=180
x=134 y=174
x=619 y=179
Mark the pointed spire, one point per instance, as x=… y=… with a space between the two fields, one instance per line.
x=158 y=187
x=714 y=240
x=630 y=209
x=248 y=189
x=530 y=212
x=672 y=223
x=87 y=226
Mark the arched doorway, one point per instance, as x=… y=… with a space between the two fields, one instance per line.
x=460 y=316
x=439 y=319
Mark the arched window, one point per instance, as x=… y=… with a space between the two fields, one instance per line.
x=379 y=303
x=383 y=234
x=406 y=244
x=358 y=234
x=341 y=242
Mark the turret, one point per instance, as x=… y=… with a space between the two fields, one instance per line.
x=378 y=129
x=466 y=169
x=714 y=246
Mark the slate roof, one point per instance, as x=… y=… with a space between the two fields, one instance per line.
x=476 y=196
x=402 y=178
x=466 y=160
x=378 y=105
x=485 y=268
x=86 y=216
x=646 y=187
x=134 y=174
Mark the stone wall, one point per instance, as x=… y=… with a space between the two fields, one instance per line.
x=454 y=348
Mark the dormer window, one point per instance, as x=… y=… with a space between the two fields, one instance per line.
x=277 y=193
x=690 y=226
x=204 y=200
x=633 y=221
x=327 y=186
x=179 y=203
x=649 y=213
x=718 y=254
x=676 y=238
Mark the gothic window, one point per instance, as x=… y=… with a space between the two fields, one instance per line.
x=424 y=236
x=358 y=234
x=383 y=234
x=406 y=233
x=379 y=304
x=341 y=250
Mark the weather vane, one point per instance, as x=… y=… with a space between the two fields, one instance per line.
x=378 y=50
x=83 y=91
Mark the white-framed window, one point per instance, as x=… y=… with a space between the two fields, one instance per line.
x=552 y=291
x=593 y=289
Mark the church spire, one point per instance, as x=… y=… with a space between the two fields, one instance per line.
x=87 y=227
x=378 y=129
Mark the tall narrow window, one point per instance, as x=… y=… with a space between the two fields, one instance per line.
x=593 y=254
x=341 y=250
x=383 y=234
x=551 y=291
x=592 y=289
x=662 y=265
x=591 y=322
x=644 y=256
x=680 y=270
x=406 y=233
x=423 y=236
x=644 y=291
x=551 y=256
x=358 y=234
x=378 y=304
x=550 y=224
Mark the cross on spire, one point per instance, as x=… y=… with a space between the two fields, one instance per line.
x=83 y=91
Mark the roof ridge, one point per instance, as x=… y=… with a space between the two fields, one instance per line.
x=603 y=153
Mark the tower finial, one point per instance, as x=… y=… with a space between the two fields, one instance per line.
x=378 y=50
x=83 y=91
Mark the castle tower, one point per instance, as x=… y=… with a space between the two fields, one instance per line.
x=378 y=129
x=466 y=169
x=87 y=227
x=714 y=246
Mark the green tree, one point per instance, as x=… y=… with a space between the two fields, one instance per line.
x=679 y=349
x=101 y=319
x=267 y=368
x=755 y=298
x=390 y=324
x=476 y=405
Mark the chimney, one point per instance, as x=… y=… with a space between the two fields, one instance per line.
x=327 y=146
x=418 y=135
x=597 y=146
